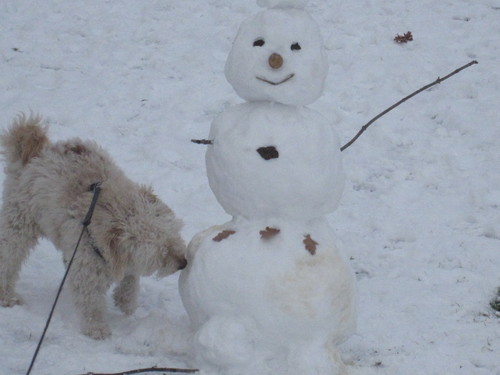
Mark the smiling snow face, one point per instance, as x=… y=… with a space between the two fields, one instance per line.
x=278 y=56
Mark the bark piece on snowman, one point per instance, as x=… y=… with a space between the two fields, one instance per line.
x=269 y=232
x=310 y=244
x=268 y=152
x=223 y=235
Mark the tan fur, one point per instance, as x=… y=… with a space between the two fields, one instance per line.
x=24 y=140
x=46 y=194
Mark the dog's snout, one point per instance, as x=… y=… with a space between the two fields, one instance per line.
x=182 y=264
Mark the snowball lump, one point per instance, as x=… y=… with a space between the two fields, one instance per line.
x=297 y=75
x=303 y=180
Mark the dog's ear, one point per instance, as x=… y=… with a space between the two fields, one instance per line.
x=151 y=198
x=118 y=257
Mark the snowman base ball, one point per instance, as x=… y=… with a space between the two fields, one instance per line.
x=268 y=304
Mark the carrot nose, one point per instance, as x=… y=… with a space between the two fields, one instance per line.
x=275 y=61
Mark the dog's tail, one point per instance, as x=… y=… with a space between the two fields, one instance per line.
x=24 y=140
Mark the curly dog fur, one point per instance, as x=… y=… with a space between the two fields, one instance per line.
x=47 y=194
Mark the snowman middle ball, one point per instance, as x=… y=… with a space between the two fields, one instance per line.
x=278 y=56
x=274 y=160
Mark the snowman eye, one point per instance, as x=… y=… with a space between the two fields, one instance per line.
x=259 y=43
x=295 y=47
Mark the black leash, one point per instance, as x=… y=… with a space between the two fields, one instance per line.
x=96 y=189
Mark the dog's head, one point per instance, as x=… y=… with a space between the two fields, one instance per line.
x=136 y=231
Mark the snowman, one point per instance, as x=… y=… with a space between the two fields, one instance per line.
x=268 y=292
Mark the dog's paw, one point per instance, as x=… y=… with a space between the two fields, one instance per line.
x=126 y=305
x=9 y=300
x=100 y=332
x=125 y=295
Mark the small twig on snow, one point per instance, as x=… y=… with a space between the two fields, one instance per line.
x=202 y=141
x=439 y=80
x=150 y=369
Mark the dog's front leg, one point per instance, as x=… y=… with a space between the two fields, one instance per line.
x=90 y=279
x=126 y=293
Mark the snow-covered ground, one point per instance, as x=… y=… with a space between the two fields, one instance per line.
x=420 y=215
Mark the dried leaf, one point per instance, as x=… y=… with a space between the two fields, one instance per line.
x=223 y=235
x=268 y=233
x=310 y=244
x=405 y=38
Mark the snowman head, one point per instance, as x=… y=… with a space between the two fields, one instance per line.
x=278 y=55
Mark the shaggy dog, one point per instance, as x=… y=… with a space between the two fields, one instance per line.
x=47 y=193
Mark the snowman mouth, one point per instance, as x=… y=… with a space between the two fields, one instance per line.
x=291 y=75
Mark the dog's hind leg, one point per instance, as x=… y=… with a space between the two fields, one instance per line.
x=90 y=280
x=17 y=238
x=126 y=293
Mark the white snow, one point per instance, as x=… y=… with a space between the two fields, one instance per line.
x=419 y=215
x=282 y=3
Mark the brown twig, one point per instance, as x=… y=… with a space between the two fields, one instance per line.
x=150 y=369
x=439 y=80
